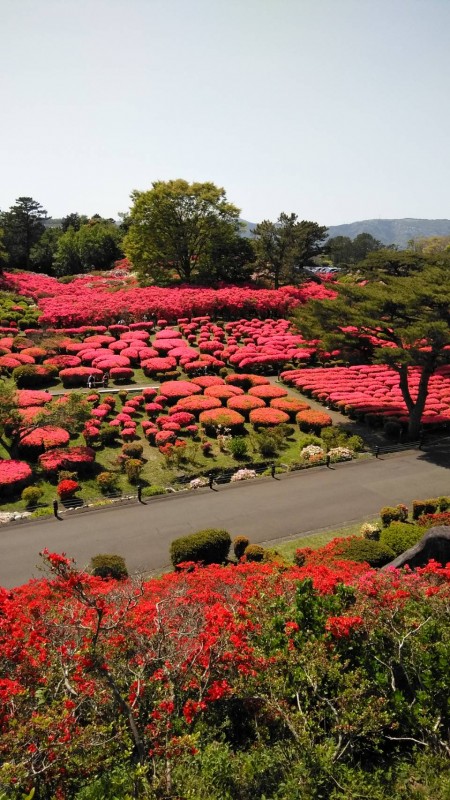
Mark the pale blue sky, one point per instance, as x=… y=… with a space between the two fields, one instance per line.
x=337 y=110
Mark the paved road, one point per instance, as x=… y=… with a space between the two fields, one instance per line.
x=262 y=509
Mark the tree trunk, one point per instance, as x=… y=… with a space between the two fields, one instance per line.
x=415 y=407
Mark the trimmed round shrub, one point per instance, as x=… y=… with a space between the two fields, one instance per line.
x=78 y=376
x=78 y=458
x=400 y=536
x=175 y=390
x=198 y=403
x=67 y=488
x=43 y=438
x=429 y=506
x=28 y=397
x=132 y=450
x=390 y=514
x=290 y=405
x=254 y=552
x=133 y=468
x=371 y=530
x=210 y=546
x=310 y=420
x=238 y=447
x=373 y=553
x=31 y=495
x=245 y=404
x=266 y=417
x=223 y=392
x=208 y=380
x=239 y=545
x=31 y=376
x=119 y=374
x=223 y=417
x=107 y=481
x=268 y=392
x=107 y=434
x=246 y=380
x=63 y=362
x=109 y=566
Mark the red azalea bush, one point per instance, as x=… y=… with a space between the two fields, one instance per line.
x=208 y=380
x=290 y=405
x=267 y=392
x=14 y=475
x=78 y=458
x=223 y=392
x=245 y=403
x=183 y=418
x=310 y=420
x=121 y=374
x=44 y=438
x=67 y=488
x=265 y=417
x=246 y=380
x=63 y=362
x=197 y=403
x=151 y=366
x=175 y=390
x=78 y=376
x=223 y=417
x=30 y=397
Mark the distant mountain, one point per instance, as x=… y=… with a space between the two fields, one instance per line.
x=393 y=231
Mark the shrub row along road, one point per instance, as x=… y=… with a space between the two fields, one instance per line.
x=262 y=509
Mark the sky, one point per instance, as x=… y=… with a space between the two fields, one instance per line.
x=336 y=110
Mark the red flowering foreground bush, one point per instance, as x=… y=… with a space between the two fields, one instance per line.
x=220 y=649
x=175 y=390
x=262 y=417
x=13 y=475
x=267 y=392
x=245 y=403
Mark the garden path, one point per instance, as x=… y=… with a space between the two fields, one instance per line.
x=264 y=509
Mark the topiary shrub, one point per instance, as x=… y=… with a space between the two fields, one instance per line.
x=132 y=450
x=67 y=488
x=105 y=565
x=107 y=434
x=210 y=546
x=444 y=503
x=133 y=467
x=107 y=481
x=254 y=552
x=31 y=495
x=239 y=545
x=238 y=447
x=32 y=376
x=400 y=536
x=375 y=554
x=425 y=507
x=390 y=514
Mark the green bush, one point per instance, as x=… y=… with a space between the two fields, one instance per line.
x=34 y=376
x=444 y=503
x=238 y=447
x=133 y=467
x=400 y=536
x=107 y=434
x=153 y=491
x=105 y=565
x=132 y=450
x=375 y=553
x=31 y=495
x=254 y=552
x=67 y=475
x=239 y=545
x=390 y=514
x=425 y=507
x=107 y=481
x=210 y=546
x=123 y=394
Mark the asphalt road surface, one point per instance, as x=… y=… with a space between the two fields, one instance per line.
x=263 y=509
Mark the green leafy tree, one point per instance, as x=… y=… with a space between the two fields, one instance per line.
x=74 y=221
x=230 y=259
x=344 y=251
x=23 y=226
x=391 y=262
x=3 y=251
x=43 y=253
x=95 y=245
x=174 y=226
x=409 y=318
x=285 y=247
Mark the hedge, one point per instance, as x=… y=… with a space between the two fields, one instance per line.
x=400 y=536
x=211 y=546
x=375 y=554
x=106 y=565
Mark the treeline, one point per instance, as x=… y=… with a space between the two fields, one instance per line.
x=191 y=233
